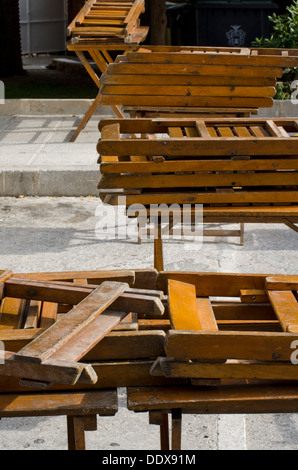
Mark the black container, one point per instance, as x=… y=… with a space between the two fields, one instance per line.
x=217 y=23
x=182 y=24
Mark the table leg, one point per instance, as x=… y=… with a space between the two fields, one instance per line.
x=176 y=429
x=164 y=433
x=158 y=249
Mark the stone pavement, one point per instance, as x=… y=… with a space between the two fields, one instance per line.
x=36 y=157
x=59 y=234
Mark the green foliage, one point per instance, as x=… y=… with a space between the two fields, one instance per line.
x=285 y=35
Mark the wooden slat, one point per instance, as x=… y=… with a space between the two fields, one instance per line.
x=260 y=346
x=186 y=101
x=12 y=313
x=253 y=296
x=229 y=370
x=102 y=402
x=260 y=197
x=172 y=166
x=199 y=180
x=175 y=132
x=117 y=345
x=191 y=69
x=93 y=277
x=183 y=306
x=33 y=309
x=48 y=314
x=185 y=80
x=212 y=146
x=228 y=398
x=282 y=283
x=208 y=59
x=109 y=374
x=71 y=294
x=175 y=91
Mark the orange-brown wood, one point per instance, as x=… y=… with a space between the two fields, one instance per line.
x=183 y=306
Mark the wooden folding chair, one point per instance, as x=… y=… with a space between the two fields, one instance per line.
x=102 y=27
x=234 y=337
x=66 y=347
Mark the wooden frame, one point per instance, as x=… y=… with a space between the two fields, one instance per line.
x=231 y=398
x=256 y=317
x=122 y=357
x=250 y=335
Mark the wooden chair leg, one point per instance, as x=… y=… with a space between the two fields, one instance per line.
x=176 y=429
x=90 y=423
x=242 y=234
x=164 y=433
x=86 y=118
x=290 y=224
x=161 y=419
x=76 y=433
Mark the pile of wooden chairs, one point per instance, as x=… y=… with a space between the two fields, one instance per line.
x=180 y=342
x=71 y=340
x=67 y=343
x=241 y=170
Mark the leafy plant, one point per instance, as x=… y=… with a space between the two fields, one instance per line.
x=284 y=35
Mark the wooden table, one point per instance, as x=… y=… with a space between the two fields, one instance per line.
x=192 y=331
x=230 y=398
x=81 y=409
